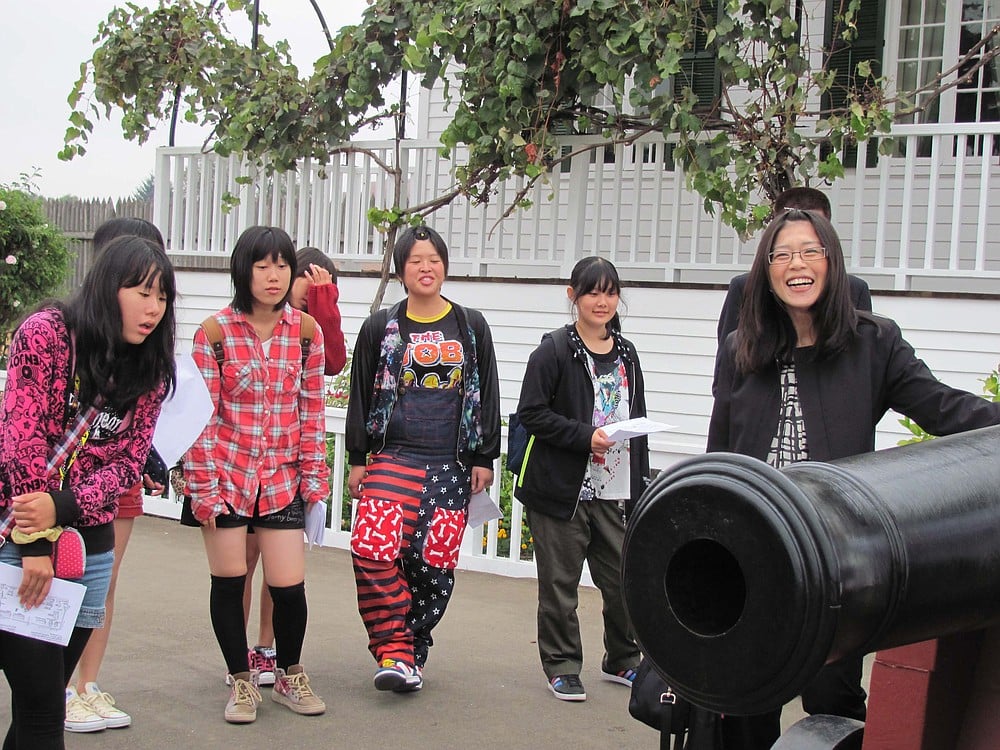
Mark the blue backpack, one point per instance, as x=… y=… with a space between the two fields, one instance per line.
x=518 y=439
x=517 y=443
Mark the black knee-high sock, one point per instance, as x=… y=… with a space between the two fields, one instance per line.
x=289 y=622
x=226 y=608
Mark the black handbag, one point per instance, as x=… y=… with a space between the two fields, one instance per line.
x=656 y=705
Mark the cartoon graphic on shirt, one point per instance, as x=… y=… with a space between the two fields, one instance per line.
x=433 y=361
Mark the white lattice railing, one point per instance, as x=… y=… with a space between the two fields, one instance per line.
x=929 y=210
x=480 y=548
x=338 y=532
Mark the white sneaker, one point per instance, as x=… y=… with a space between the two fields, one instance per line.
x=104 y=706
x=80 y=717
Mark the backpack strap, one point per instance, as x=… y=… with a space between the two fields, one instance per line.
x=213 y=331
x=307 y=330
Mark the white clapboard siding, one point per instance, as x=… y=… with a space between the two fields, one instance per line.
x=674 y=329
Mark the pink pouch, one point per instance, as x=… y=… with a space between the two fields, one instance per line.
x=69 y=555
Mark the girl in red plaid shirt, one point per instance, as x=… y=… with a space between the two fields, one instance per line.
x=258 y=463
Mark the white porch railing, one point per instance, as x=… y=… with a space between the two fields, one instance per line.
x=480 y=548
x=924 y=218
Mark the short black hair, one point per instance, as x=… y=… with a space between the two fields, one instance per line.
x=408 y=238
x=255 y=244
x=120 y=226
x=804 y=199
x=313 y=256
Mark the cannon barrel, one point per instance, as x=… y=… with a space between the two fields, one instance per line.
x=742 y=580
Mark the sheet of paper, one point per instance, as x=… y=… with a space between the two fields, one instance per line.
x=482 y=509
x=637 y=427
x=184 y=414
x=315 y=523
x=52 y=620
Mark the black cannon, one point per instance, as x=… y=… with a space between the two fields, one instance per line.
x=742 y=580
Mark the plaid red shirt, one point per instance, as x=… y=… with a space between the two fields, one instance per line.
x=268 y=431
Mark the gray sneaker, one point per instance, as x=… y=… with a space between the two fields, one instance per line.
x=567 y=687
x=244 y=697
x=291 y=689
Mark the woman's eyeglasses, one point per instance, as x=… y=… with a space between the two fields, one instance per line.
x=784 y=257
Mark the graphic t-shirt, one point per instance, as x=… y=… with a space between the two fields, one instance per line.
x=608 y=476
x=434 y=355
x=427 y=413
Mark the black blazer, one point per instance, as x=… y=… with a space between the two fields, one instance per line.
x=861 y=296
x=843 y=397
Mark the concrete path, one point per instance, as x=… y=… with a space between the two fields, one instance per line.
x=484 y=687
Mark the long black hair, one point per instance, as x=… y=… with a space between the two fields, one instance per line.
x=597 y=273
x=253 y=245
x=105 y=362
x=765 y=333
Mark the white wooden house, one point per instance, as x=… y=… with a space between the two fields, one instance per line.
x=922 y=225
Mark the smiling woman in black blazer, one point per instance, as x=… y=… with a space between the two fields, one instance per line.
x=806 y=377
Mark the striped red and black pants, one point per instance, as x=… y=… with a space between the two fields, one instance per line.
x=404 y=543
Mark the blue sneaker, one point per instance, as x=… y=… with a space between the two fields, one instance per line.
x=626 y=677
x=413 y=683
x=567 y=687
x=393 y=675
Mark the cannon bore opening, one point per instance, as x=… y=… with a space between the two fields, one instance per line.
x=705 y=587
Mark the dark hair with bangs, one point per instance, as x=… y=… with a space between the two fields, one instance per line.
x=119 y=226
x=313 y=256
x=405 y=242
x=105 y=362
x=597 y=273
x=765 y=333
x=254 y=245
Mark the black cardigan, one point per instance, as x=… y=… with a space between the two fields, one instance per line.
x=842 y=397
x=557 y=407
x=364 y=364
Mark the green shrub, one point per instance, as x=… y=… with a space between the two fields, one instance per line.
x=504 y=524
x=33 y=258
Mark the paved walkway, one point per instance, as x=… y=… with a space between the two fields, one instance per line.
x=483 y=687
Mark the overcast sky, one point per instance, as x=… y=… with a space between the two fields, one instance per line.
x=43 y=42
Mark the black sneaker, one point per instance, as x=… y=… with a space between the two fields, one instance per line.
x=567 y=687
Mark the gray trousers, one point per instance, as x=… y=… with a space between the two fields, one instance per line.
x=594 y=534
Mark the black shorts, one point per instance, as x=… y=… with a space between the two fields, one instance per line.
x=292 y=516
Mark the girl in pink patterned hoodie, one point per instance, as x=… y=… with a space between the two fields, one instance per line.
x=110 y=345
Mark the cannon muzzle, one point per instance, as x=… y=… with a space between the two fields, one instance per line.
x=742 y=581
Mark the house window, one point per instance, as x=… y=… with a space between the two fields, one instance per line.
x=933 y=34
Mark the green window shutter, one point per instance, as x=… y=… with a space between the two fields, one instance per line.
x=867 y=45
x=699 y=70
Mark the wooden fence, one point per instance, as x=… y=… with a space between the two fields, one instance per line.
x=79 y=218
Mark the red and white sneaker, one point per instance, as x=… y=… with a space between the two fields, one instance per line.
x=261 y=658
